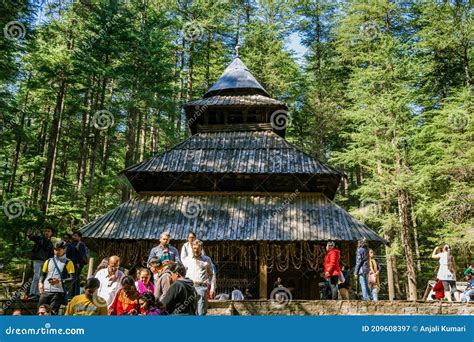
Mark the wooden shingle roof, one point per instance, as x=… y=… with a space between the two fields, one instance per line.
x=234 y=152
x=236 y=100
x=236 y=79
x=231 y=217
x=239 y=161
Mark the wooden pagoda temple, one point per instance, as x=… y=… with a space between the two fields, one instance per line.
x=263 y=207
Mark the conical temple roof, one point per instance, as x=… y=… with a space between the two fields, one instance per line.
x=236 y=79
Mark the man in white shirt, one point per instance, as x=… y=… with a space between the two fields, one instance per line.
x=201 y=271
x=110 y=279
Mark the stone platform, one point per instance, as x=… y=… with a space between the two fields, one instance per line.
x=339 y=307
x=306 y=308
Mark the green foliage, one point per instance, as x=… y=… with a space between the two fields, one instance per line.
x=383 y=93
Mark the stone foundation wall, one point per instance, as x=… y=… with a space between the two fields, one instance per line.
x=340 y=307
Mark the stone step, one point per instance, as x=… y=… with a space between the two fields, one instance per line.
x=340 y=307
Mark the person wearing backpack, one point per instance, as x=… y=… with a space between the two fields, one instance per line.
x=56 y=273
x=83 y=259
x=362 y=268
x=42 y=250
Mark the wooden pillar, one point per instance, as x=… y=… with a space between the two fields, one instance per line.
x=90 y=269
x=263 y=277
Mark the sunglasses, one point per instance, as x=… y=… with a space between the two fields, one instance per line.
x=41 y=313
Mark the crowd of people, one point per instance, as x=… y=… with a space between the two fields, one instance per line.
x=182 y=283
x=445 y=287
x=172 y=283
x=338 y=280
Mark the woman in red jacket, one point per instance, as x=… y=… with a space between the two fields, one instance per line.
x=331 y=267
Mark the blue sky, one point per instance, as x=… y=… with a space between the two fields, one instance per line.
x=294 y=44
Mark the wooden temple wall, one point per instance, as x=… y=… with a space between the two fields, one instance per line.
x=253 y=265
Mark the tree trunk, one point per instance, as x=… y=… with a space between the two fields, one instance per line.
x=90 y=188
x=415 y=236
x=189 y=85
x=129 y=147
x=208 y=60
x=405 y=236
x=84 y=148
x=467 y=73
x=180 y=88
x=396 y=278
x=53 y=147
x=40 y=151
x=18 y=134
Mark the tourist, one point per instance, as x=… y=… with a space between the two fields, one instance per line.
x=468 y=294
x=222 y=296
x=362 y=268
x=277 y=283
x=143 y=284
x=103 y=264
x=247 y=294
x=374 y=275
x=237 y=294
x=56 y=273
x=42 y=251
x=126 y=299
x=187 y=249
x=446 y=271
x=146 y=301
x=469 y=272
x=200 y=269
x=88 y=303
x=181 y=297
x=163 y=281
x=345 y=286
x=438 y=291
x=44 y=310
x=153 y=266
x=83 y=258
x=110 y=279
x=164 y=251
x=331 y=267
x=73 y=255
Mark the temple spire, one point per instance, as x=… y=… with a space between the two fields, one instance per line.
x=237 y=50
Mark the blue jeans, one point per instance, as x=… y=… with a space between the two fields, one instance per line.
x=37 y=265
x=375 y=293
x=201 y=300
x=466 y=296
x=364 y=285
x=77 y=280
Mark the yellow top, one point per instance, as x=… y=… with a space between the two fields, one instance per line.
x=82 y=306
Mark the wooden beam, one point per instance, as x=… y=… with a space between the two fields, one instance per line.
x=90 y=269
x=263 y=275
